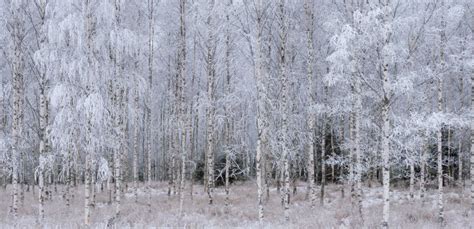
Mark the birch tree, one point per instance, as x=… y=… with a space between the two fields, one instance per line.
x=261 y=96
x=151 y=33
x=17 y=32
x=183 y=119
x=42 y=65
x=88 y=38
x=283 y=75
x=440 y=110
x=211 y=84
x=309 y=13
x=387 y=33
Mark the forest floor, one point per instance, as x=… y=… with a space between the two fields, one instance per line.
x=336 y=212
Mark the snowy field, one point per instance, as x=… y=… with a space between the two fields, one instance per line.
x=336 y=212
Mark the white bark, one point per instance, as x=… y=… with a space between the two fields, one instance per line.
x=43 y=112
x=151 y=33
x=423 y=170
x=440 y=159
x=412 y=179
x=261 y=95
x=386 y=116
x=87 y=193
x=385 y=157
x=211 y=83
x=17 y=31
x=88 y=20
x=440 y=109
x=285 y=107
x=323 y=158
x=460 y=165
x=471 y=172
x=135 y=147
x=182 y=106
x=228 y=117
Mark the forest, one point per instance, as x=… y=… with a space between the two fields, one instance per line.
x=236 y=113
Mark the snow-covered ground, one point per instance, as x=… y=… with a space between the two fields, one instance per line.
x=336 y=212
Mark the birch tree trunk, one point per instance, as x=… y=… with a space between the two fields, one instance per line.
x=285 y=108
x=412 y=179
x=424 y=149
x=261 y=95
x=43 y=111
x=471 y=172
x=17 y=31
x=333 y=155
x=194 y=118
x=87 y=184
x=211 y=74
x=341 y=169
x=440 y=158
x=182 y=105
x=460 y=165
x=120 y=94
x=227 y=91
x=386 y=154
x=356 y=154
x=323 y=161
x=89 y=31
x=386 y=113
x=151 y=33
x=135 y=148
x=440 y=109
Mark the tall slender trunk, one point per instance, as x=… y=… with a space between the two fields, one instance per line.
x=87 y=193
x=285 y=107
x=267 y=170
x=351 y=158
x=341 y=168
x=135 y=148
x=109 y=185
x=440 y=158
x=67 y=193
x=228 y=117
x=194 y=117
x=183 y=172
x=385 y=159
x=42 y=149
x=312 y=191
x=356 y=154
x=261 y=122
x=424 y=149
x=182 y=115
x=333 y=155
x=118 y=180
x=211 y=83
x=17 y=32
x=440 y=109
x=471 y=133
x=43 y=112
x=460 y=165
x=323 y=161
x=93 y=184
x=412 y=179
x=151 y=33
x=450 y=177
x=88 y=14
x=386 y=114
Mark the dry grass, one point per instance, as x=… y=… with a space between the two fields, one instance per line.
x=336 y=212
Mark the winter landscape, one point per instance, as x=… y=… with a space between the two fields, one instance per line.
x=236 y=113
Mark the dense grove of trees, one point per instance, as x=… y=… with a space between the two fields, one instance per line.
x=114 y=93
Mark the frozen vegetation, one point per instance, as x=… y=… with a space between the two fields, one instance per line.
x=336 y=212
x=271 y=113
